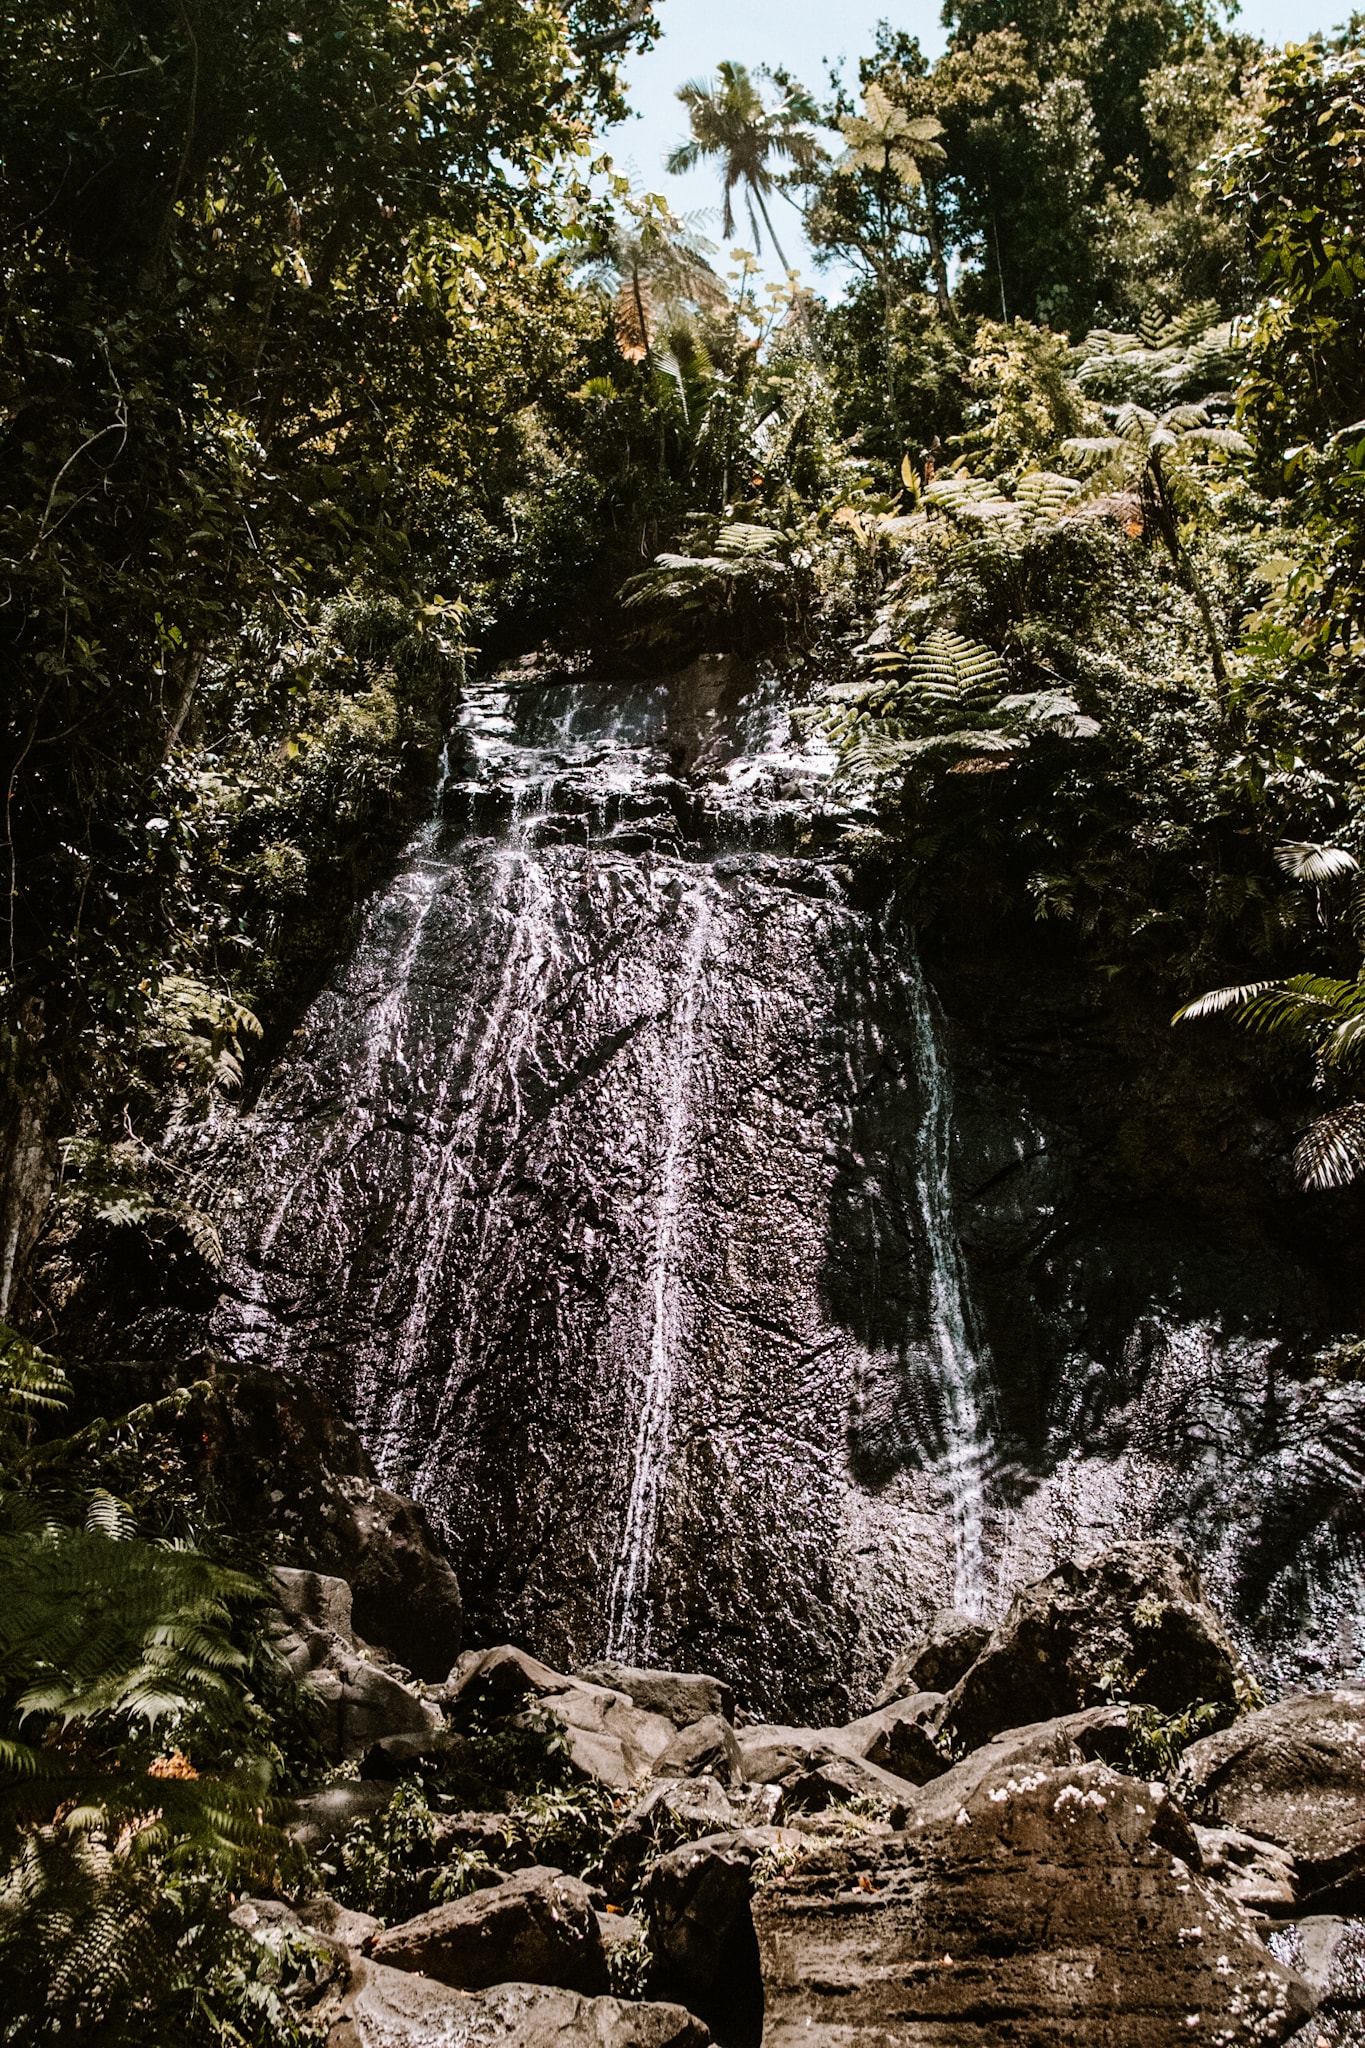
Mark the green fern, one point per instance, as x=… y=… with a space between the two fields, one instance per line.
x=929 y=702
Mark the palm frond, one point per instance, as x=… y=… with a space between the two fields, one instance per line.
x=1220 y=1000
x=1331 y=1151
x=1305 y=861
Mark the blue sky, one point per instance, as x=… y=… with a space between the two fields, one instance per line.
x=801 y=34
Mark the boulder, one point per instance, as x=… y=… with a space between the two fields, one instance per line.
x=384 y=2008
x=1330 y=1952
x=404 y=1592
x=682 y=1697
x=704 y=1749
x=1259 y=1874
x=935 y=1661
x=608 y=1738
x=323 y=1817
x=493 y=1835
x=1055 y=1907
x=537 y=1927
x=284 y=1461
x=696 y=1904
x=815 y=1767
x=1133 y=1619
x=337 y=1922
x=1293 y=1774
x=363 y=1704
x=899 y=1738
x=316 y=1601
x=1100 y=1735
x=680 y=1808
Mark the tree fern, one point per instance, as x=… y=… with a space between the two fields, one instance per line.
x=1320 y=1014
x=928 y=701
x=133 y=1755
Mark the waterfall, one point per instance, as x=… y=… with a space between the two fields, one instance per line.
x=628 y=1605
x=949 y=1302
x=607 y=1187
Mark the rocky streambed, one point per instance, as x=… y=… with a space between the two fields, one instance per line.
x=1019 y=1843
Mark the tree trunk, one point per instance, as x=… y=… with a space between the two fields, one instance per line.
x=797 y=299
x=936 y=263
x=28 y=1152
x=193 y=668
x=1168 y=526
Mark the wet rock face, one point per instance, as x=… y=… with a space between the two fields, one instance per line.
x=935 y=1661
x=1293 y=1774
x=1133 y=1621
x=727 y=1300
x=1058 y=1906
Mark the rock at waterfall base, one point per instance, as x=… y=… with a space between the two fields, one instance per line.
x=1294 y=1774
x=287 y=1460
x=704 y=1749
x=608 y=1738
x=1135 y=1613
x=1055 y=1907
x=364 y=1703
x=537 y=1927
x=682 y=1697
x=386 y=2008
x=935 y=1661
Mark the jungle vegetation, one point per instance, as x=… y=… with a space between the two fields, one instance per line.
x=336 y=358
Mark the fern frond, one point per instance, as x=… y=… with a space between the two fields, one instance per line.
x=1220 y=1000
x=1331 y=1151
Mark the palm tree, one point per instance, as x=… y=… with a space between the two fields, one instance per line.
x=731 y=122
x=889 y=142
x=657 y=270
x=1163 y=458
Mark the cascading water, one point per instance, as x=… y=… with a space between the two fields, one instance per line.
x=615 y=1185
x=628 y=1632
x=950 y=1312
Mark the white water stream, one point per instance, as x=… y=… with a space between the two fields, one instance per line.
x=950 y=1316
x=629 y=1609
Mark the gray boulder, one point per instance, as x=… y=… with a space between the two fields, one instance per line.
x=364 y=1702
x=1055 y=1907
x=696 y=1905
x=493 y=1835
x=704 y=1749
x=405 y=1594
x=682 y=1697
x=815 y=1767
x=1259 y=1875
x=680 y=1809
x=1099 y=1735
x=1293 y=1774
x=935 y=1661
x=387 y=2008
x=608 y=1738
x=899 y=1738
x=316 y=1601
x=1136 y=1611
x=537 y=1927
